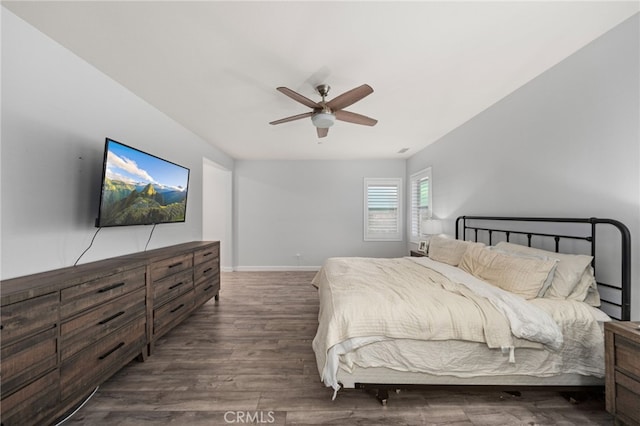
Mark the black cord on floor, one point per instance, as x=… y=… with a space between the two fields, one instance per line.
x=78 y=408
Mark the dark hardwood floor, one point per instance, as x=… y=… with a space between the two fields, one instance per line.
x=247 y=359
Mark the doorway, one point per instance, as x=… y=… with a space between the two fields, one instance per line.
x=217 y=209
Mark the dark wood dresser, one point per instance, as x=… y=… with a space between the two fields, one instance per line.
x=66 y=331
x=622 y=360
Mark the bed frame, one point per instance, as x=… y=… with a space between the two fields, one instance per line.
x=616 y=299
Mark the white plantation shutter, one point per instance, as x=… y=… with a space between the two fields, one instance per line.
x=421 y=205
x=382 y=209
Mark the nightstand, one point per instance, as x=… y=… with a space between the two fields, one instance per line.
x=622 y=363
x=415 y=253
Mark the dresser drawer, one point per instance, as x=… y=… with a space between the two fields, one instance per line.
x=171 y=266
x=172 y=286
x=99 y=361
x=27 y=359
x=206 y=291
x=628 y=398
x=24 y=318
x=207 y=254
x=627 y=356
x=83 y=330
x=92 y=293
x=31 y=404
x=622 y=363
x=170 y=314
x=207 y=271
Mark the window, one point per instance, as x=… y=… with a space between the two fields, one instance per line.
x=382 y=209
x=421 y=204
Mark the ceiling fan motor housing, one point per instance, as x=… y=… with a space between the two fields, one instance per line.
x=323 y=90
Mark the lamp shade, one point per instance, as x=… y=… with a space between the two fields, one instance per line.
x=323 y=120
x=431 y=227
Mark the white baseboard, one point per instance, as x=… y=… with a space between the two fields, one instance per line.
x=275 y=268
x=226 y=268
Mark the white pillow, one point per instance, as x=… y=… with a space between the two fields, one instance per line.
x=547 y=282
x=587 y=289
x=524 y=276
x=448 y=250
x=568 y=273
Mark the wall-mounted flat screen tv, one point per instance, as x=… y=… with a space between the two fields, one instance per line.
x=140 y=188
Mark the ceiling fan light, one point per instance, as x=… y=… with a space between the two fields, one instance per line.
x=323 y=120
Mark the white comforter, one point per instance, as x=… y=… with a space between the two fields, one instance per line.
x=364 y=300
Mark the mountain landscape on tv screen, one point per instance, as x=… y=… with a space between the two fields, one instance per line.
x=137 y=204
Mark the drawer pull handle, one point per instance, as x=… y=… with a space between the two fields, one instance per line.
x=111 y=318
x=207 y=288
x=111 y=287
x=176 y=285
x=175 y=264
x=206 y=271
x=178 y=308
x=207 y=254
x=118 y=346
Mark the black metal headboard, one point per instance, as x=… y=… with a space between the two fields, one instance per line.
x=617 y=296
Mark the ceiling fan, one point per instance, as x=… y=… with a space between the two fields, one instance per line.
x=325 y=113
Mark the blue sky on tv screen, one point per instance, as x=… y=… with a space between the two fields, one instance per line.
x=132 y=166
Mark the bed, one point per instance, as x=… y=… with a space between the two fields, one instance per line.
x=509 y=302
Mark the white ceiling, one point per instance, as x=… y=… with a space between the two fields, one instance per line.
x=213 y=66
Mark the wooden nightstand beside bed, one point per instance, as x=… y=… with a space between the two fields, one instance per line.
x=622 y=359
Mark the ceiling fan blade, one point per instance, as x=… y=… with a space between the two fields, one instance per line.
x=293 y=117
x=322 y=132
x=350 y=97
x=352 y=117
x=298 y=97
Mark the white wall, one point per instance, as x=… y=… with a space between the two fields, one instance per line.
x=56 y=112
x=311 y=208
x=566 y=144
